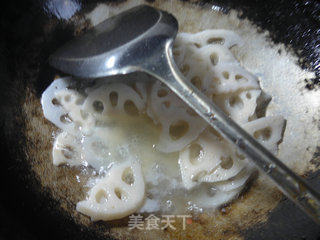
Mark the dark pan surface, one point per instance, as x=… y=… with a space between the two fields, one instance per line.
x=27 y=212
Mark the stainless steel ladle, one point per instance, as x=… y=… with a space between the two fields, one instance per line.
x=141 y=39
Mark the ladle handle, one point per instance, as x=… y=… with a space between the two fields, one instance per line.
x=292 y=185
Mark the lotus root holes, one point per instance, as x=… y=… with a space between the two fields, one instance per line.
x=178 y=129
x=216 y=40
x=263 y=134
x=195 y=152
x=226 y=162
x=101 y=196
x=130 y=108
x=127 y=176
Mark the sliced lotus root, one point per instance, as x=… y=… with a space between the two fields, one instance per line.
x=53 y=110
x=267 y=130
x=213 y=195
x=139 y=84
x=107 y=100
x=120 y=193
x=197 y=74
x=232 y=77
x=97 y=151
x=72 y=102
x=141 y=89
x=162 y=99
x=214 y=55
x=235 y=182
x=208 y=159
x=187 y=43
x=223 y=70
x=198 y=65
x=240 y=106
x=180 y=125
x=67 y=150
x=221 y=37
x=179 y=130
x=212 y=68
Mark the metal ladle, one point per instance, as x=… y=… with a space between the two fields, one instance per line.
x=141 y=39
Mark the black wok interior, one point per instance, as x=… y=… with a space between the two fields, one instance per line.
x=25 y=44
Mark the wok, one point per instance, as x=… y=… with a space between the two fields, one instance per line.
x=36 y=201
